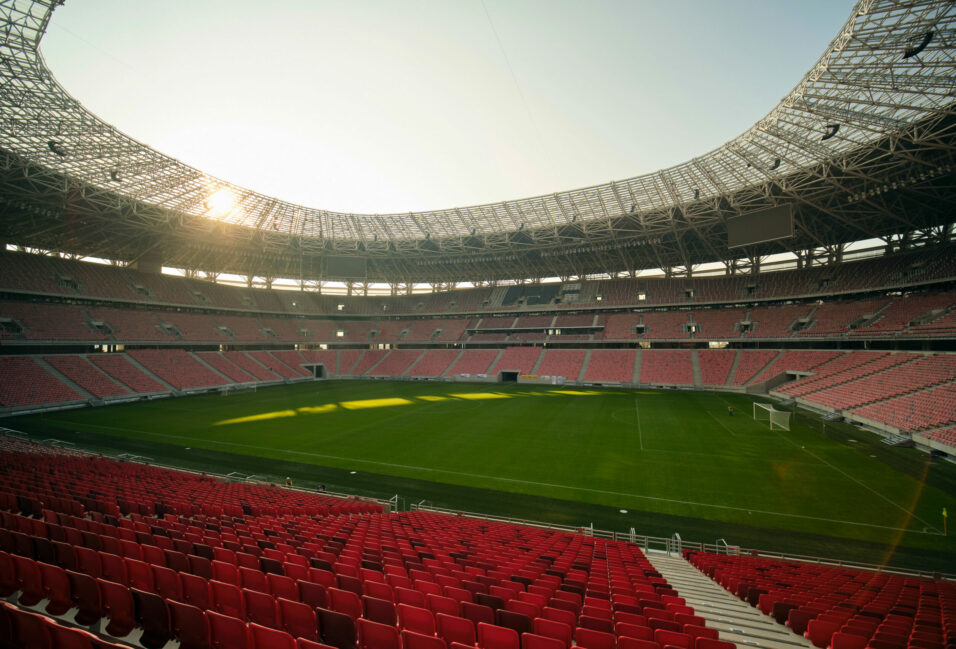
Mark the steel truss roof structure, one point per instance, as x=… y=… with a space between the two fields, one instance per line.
x=862 y=147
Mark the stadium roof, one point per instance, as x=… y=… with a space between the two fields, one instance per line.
x=862 y=147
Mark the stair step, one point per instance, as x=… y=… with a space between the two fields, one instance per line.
x=736 y=620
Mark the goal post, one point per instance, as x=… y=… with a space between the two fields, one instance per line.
x=776 y=418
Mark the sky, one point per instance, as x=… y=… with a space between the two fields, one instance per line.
x=385 y=106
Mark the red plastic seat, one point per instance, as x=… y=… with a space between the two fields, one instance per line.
x=260 y=608
x=626 y=642
x=477 y=613
x=262 y=637
x=195 y=591
x=412 y=640
x=28 y=579
x=61 y=637
x=312 y=594
x=189 y=625
x=634 y=631
x=153 y=616
x=592 y=639
x=596 y=623
x=118 y=607
x=297 y=619
x=8 y=577
x=442 y=604
x=553 y=629
x=497 y=637
x=113 y=568
x=28 y=629
x=344 y=601
x=302 y=643
x=226 y=632
x=225 y=572
x=533 y=641
x=85 y=596
x=282 y=586
x=337 y=629
x=379 y=610
x=139 y=575
x=455 y=629
x=819 y=631
x=56 y=588
x=560 y=615
x=413 y=618
x=710 y=643
x=373 y=635
x=253 y=579
x=227 y=599
x=166 y=583
x=665 y=637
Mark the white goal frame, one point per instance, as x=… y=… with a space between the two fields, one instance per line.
x=777 y=418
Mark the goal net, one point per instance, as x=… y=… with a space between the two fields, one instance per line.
x=776 y=418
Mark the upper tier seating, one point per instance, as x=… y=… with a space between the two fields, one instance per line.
x=611 y=366
x=776 y=321
x=562 y=362
x=839 y=607
x=131 y=326
x=665 y=325
x=718 y=324
x=50 y=321
x=715 y=365
x=668 y=366
x=836 y=318
x=902 y=311
x=23 y=382
x=286 y=567
x=620 y=326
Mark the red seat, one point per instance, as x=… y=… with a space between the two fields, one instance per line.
x=413 y=618
x=298 y=619
x=311 y=594
x=477 y=613
x=28 y=629
x=113 y=568
x=337 y=629
x=139 y=574
x=253 y=579
x=442 y=604
x=195 y=591
x=61 y=637
x=710 y=643
x=626 y=642
x=497 y=637
x=560 y=615
x=29 y=581
x=665 y=637
x=344 y=601
x=260 y=608
x=455 y=629
x=302 y=643
x=153 y=616
x=596 y=623
x=594 y=639
x=412 y=640
x=227 y=599
x=226 y=632
x=8 y=577
x=166 y=583
x=225 y=572
x=261 y=637
x=819 y=631
x=56 y=588
x=85 y=595
x=634 y=631
x=188 y=625
x=695 y=631
x=553 y=629
x=373 y=635
x=282 y=586
x=532 y=641
x=118 y=607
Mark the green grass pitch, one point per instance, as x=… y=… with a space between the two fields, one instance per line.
x=675 y=460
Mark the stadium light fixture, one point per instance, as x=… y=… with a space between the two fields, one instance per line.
x=831 y=131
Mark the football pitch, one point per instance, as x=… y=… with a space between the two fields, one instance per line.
x=676 y=461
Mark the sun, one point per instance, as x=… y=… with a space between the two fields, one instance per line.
x=221 y=203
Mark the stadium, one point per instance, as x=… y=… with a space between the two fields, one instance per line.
x=707 y=406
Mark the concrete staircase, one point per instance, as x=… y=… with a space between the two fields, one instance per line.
x=584 y=366
x=735 y=619
x=636 y=376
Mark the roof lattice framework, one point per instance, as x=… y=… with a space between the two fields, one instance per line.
x=862 y=146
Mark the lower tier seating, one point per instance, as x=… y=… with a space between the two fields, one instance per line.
x=265 y=567
x=838 y=607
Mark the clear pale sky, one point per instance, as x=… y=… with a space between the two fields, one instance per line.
x=398 y=105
